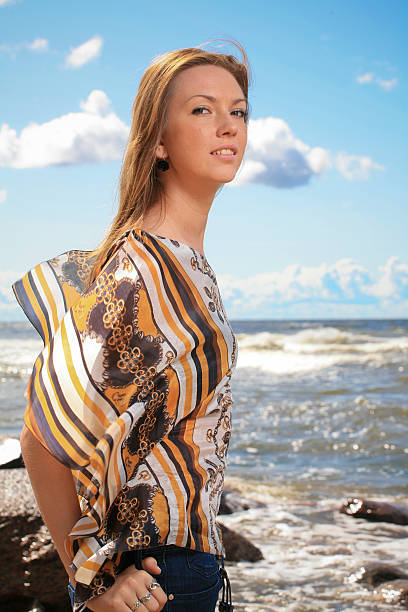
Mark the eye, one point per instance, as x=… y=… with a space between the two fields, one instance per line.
x=199 y=108
x=244 y=113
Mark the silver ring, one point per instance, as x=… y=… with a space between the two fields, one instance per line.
x=154 y=585
x=145 y=597
x=137 y=604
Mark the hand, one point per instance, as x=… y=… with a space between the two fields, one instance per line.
x=129 y=586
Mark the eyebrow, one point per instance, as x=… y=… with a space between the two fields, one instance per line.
x=214 y=99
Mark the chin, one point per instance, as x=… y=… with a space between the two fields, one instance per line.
x=225 y=177
x=231 y=178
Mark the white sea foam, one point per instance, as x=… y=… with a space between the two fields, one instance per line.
x=315 y=349
x=310 y=549
x=322 y=339
x=280 y=362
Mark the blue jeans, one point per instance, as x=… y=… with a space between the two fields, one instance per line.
x=191 y=579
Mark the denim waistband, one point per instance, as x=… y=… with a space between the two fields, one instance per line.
x=169 y=549
x=165 y=549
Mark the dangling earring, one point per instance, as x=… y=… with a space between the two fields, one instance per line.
x=163 y=165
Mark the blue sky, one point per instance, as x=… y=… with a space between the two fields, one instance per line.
x=314 y=225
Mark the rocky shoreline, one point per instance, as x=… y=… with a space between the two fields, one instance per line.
x=33 y=578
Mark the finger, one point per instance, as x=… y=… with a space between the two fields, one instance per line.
x=140 y=585
x=158 y=595
x=136 y=605
x=133 y=571
x=148 y=602
x=142 y=600
x=154 y=597
x=150 y=565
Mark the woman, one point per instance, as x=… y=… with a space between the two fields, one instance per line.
x=128 y=420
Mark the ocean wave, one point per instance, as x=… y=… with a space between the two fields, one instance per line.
x=315 y=348
x=310 y=348
x=281 y=362
x=322 y=339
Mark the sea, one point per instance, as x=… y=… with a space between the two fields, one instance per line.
x=320 y=415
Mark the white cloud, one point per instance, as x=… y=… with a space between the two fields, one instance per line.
x=97 y=103
x=6 y=2
x=345 y=283
x=393 y=281
x=39 y=44
x=387 y=85
x=275 y=157
x=319 y=160
x=12 y=50
x=365 y=78
x=3 y=195
x=354 y=167
x=369 y=77
x=84 y=53
x=94 y=135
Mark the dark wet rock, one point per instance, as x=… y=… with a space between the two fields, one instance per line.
x=375 y=511
x=231 y=501
x=394 y=592
x=18 y=603
x=238 y=548
x=377 y=573
x=30 y=567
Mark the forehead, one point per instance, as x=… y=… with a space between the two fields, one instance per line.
x=211 y=80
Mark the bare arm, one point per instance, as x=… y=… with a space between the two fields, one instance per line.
x=54 y=490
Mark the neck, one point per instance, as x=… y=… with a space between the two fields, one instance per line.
x=182 y=216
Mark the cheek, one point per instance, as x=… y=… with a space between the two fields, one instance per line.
x=186 y=141
x=244 y=141
x=244 y=136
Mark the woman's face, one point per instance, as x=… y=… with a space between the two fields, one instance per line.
x=206 y=113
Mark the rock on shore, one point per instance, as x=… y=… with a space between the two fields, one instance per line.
x=375 y=511
x=231 y=501
x=391 y=583
x=374 y=574
x=31 y=568
x=394 y=592
x=237 y=547
x=30 y=564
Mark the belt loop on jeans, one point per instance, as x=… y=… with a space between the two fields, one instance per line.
x=225 y=604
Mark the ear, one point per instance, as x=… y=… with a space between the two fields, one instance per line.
x=161 y=152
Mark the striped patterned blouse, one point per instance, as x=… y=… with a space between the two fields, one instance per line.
x=132 y=393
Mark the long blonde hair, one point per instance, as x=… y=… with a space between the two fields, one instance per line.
x=139 y=184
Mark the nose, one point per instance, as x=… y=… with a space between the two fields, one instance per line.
x=226 y=125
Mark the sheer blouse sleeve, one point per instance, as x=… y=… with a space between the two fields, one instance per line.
x=97 y=376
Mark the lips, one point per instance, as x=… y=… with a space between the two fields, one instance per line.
x=225 y=150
